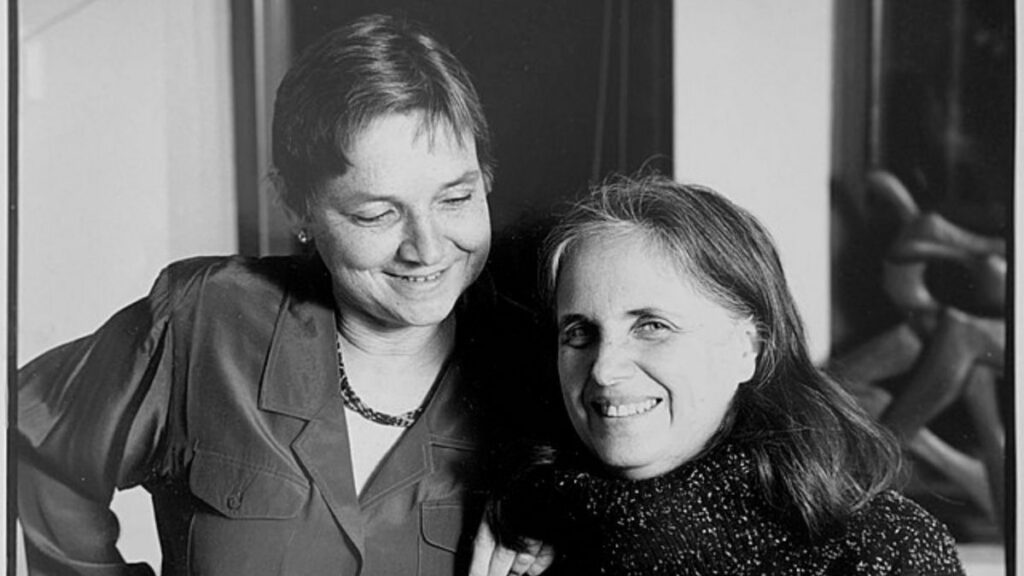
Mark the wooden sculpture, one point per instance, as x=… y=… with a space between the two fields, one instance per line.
x=946 y=351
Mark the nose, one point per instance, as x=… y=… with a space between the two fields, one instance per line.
x=613 y=364
x=422 y=242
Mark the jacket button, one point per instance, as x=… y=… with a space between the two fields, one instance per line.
x=234 y=501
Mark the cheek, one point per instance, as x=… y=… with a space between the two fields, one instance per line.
x=711 y=400
x=472 y=231
x=729 y=365
x=572 y=383
x=572 y=377
x=698 y=411
x=701 y=386
x=715 y=399
x=358 y=250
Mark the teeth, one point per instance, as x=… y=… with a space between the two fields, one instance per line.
x=624 y=410
x=421 y=279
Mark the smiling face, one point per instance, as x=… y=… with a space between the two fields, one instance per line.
x=406 y=229
x=648 y=365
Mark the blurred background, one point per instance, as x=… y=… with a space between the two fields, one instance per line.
x=875 y=139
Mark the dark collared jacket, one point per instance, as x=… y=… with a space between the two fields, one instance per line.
x=219 y=393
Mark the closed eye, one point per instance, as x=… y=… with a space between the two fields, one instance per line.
x=457 y=198
x=373 y=218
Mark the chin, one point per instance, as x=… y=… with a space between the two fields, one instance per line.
x=630 y=469
x=635 y=463
x=426 y=315
x=621 y=459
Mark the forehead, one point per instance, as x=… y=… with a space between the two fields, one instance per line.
x=608 y=257
x=397 y=134
x=618 y=272
x=402 y=154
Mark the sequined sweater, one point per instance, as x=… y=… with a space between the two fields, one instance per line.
x=709 y=517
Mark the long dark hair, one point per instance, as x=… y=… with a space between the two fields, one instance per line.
x=818 y=455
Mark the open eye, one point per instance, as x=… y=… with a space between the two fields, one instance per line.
x=577 y=335
x=652 y=327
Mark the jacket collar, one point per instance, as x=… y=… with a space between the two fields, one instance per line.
x=300 y=380
x=301 y=363
x=301 y=370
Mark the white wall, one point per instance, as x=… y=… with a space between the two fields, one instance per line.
x=126 y=154
x=126 y=163
x=753 y=82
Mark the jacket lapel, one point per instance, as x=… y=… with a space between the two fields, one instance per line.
x=408 y=461
x=323 y=447
x=300 y=380
x=446 y=418
x=403 y=465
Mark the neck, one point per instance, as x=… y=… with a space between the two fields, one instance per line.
x=392 y=371
x=410 y=342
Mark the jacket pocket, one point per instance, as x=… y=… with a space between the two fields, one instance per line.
x=441 y=524
x=238 y=489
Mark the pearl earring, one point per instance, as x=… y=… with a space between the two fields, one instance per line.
x=303 y=236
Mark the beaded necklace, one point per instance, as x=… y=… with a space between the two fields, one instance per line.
x=355 y=403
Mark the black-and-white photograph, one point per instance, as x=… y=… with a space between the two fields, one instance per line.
x=512 y=287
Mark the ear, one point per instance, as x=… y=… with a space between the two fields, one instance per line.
x=748 y=347
x=296 y=221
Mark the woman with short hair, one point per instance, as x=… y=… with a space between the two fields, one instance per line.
x=316 y=414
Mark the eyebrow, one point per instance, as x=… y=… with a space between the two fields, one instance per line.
x=568 y=319
x=469 y=176
x=646 y=311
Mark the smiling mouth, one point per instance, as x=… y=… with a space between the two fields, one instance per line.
x=610 y=410
x=420 y=279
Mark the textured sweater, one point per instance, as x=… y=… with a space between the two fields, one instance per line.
x=709 y=517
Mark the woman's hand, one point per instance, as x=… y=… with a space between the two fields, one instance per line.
x=493 y=559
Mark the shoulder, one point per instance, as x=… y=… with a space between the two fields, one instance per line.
x=891 y=514
x=231 y=281
x=217 y=272
x=892 y=534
